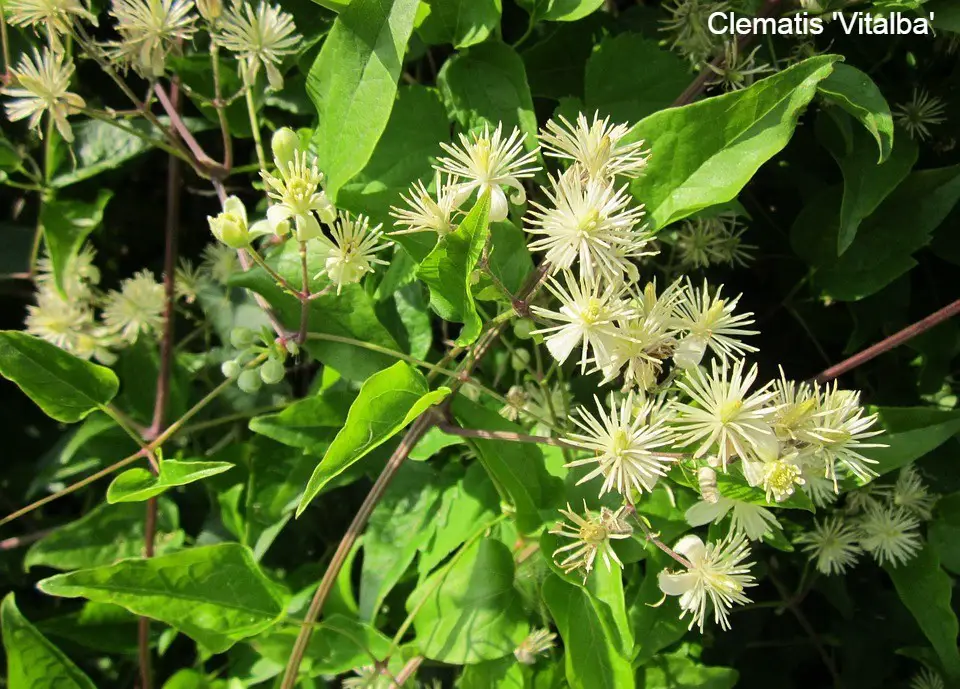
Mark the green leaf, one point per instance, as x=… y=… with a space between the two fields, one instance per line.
x=353 y=83
x=944 y=532
x=518 y=468
x=910 y=433
x=925 y=590
x=630 y=77
x=448 y=269
x=308 y=423
x=881 y=251
x=66 y=224
x=460 y=22
x=401 y=524
x=136 y=485
x=735 y=487
x=214 y=594
x=703 y=154
x=855 y=92
x=106 y=534
x=560 y=10
x=502 y=673
x=32 y=661
x=947 y=14
x=865 y=183
x=487 y=84
x=592 y=659
x=64 y=387
x=655 y=622
x=679 y=671
x=338 y=644
x=98 y=626
x=387 y=402
x=348 y=314
x=475 y=613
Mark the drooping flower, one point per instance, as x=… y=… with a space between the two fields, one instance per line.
x=539 y=641
x=352 y=253
x=889 y=533
x=625 y=447
x=715 y=577
x=137 y=308
x=591 y=222
x=591 y=536
x=728 y=421
x=754 y=521
x=832 y=545
x=149 y=30
x=737 y=71
x=839 y=432
x=517 y=399
x=920 y=113
x=587 y=313
x=595 y=147
x=59 y=321
x=220 y=262
x=42 y=87
x=702 y=242
x=911 y=493
x=487 y=162
x=688 y=26
x=423 y=213
x=258 y=37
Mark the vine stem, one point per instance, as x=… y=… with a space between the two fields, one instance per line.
x=453 y=429
x=254 y=120
x=889 y=343
x=417 y=430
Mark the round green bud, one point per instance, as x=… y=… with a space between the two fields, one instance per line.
x=520 y=359
x=285 y=144
x=272 y=372
x=241 y=337
x=230 y=369
x=292 y=347
x=249 y=381
x=230 y=226
x=523 y=327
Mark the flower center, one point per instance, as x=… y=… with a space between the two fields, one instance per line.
x=594 y=534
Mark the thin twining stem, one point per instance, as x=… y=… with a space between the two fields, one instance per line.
x=453 y=429
x=432 y=368
x=407 y=671
x=171 y=430
x=279 y=279
x=209 y=165
x=654 y=538
x=304 y=295
x=889 y=343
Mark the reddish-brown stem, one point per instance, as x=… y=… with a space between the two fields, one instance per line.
x=204 y=162
x=419 y=427
x=20 y=541
x=889 y=343
x=407 y=671
x=143 y=626
x=652 y=538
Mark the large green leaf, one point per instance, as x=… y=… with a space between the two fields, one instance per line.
x=487 y=84
x=98 y=626
x=475 y=613
x=401 y=524
x=448 y=269
x=734 y=486
x=882 y=250
x=136 y=485
x=518 y=468
x=926 y=590
x=32 y=661
x=679 y=671
x=308 y=423
x=630 y=77
x=348 y=314
x=460 y=22
x=910 y=433
x=944 y=532
x=655 y=622
x=592 y=659
x=353 y=83
x=107 y=534
x=387 y=402
x=214 y=594
x=66 y=224
x=703 y=154
x=560 y=10
x=865 y=182
x=64 y=387
x=855 y=92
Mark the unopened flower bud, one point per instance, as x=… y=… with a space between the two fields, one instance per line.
x=230 y=369
x=241 y=338
x=210 y=9
x=272 y=372
x=520 y=359
x=230 y=227
x=292 y=347
x=285 y=144
x=249 y=381
x=523 y=328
